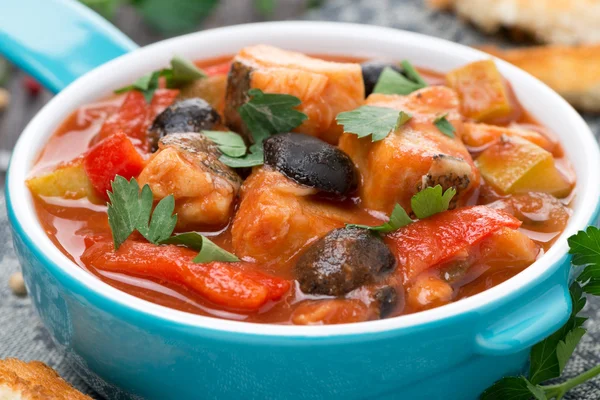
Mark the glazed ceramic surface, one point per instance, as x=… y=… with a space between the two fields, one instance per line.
x=126 y=347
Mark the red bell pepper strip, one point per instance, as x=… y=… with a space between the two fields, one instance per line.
x=135 y=116
x=115 y=155
x=226 y=284
x=428 y=242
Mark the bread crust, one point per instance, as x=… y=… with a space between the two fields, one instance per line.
x=572 y=71
x=550 y=21
x=34 y=380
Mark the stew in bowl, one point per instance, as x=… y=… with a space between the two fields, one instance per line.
x=277 y=187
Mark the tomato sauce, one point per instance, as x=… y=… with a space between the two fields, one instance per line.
x=68 y=222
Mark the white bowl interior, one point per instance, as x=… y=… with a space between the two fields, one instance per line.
x=320 y=38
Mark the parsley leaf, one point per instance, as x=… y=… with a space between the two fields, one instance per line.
x=393 y=82
x=369 y=120
x=126 y=208
x=253 y=158
x=430 y=201
x=130 y=210
x=163 y=221
x=545 y=363
x=229 y=143
x=585 y=247
x=147 y=84
x=265 y=114
x=444 y=125
x=398 y=219
x=513 y=388
x=412 y=73
x=566 y=347
x=403 y=118
x=181 y=72
x=208 y=251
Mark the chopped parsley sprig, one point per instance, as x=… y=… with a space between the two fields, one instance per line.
x=393 y=82
x=444 y=126
x=265 y=114
x=130 y=210
x=549 y=357
x=182 y=71
x=378 y=122
x=425 y=203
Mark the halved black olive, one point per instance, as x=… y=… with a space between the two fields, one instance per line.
x=371 y=71
x=190 y=115
x=343 y=260
x=312 y=162
x=387 y=300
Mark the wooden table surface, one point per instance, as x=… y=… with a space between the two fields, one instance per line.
x=23 y=106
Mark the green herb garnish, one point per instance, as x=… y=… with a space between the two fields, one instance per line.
x=444 y=125
x=208 y=251
x=425 y=203
x=229 y=143
x=585 y=247
x=393 y=82
x=182 y=71
x=265 y=114
x=398 y=219
x=147 y=84
x=549 y=357
x=375 y=121
x=412 y=73
x=129 y=211
x=430 y=201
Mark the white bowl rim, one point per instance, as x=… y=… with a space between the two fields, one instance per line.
x=112 y=74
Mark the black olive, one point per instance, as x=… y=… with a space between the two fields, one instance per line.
x=343 y=260
x=189 y=115
x=371 y=71
x=387 y=299
x=312 y=162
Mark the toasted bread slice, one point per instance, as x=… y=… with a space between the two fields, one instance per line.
x=34 y=380
x=550 y=21
x=573 y=71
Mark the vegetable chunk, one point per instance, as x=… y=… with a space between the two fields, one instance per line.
x=187 y=166
x=325 y=88
x=430 y=241
x=115 y=155
x=227 y=284
x=415 y=155
x=68 y=181
x=279 y=216
x=515 y=165
x=482 y=91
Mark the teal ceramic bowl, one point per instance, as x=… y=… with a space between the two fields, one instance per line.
x=125 y=347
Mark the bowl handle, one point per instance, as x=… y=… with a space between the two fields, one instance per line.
x=528 y=324
x=56 y=41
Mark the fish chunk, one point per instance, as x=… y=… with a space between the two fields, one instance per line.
x=415 y=156
x=325 y=88
x=187 y=166
x=279 y=216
